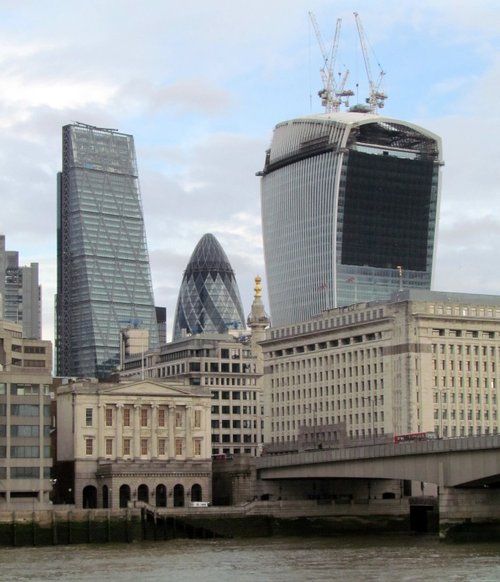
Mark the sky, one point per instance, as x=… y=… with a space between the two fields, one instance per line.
x=201 y=85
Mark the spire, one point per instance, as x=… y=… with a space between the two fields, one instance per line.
x=258 y=320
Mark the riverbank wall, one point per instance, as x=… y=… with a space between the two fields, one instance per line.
x=254 y=519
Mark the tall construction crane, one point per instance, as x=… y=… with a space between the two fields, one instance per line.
x=376 y=97
x=331 y=96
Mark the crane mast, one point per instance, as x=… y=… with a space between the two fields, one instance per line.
x=376 y=96
x=330 y=94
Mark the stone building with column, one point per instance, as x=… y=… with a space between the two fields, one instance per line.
x=143 y=441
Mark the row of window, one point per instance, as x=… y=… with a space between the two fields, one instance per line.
x=25 y=452
x=144 y=446
x=234 y=409
x=25 y=389
x=328 y=323
x=25 y=410
x=308 y=393
x=145 y=417
x=24 y=430
x=235 y=438
x=233 y=395
x=29 y=472
x=234 y=423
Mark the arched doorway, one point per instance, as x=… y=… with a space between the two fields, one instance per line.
x=161 y=496
x=179 y=496
x=196 y=492
x=105 y=497
x=143 y=493
x=124 y=495
x=89 y=497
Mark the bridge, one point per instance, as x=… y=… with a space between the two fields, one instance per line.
x=465 y=470
x=459 y=462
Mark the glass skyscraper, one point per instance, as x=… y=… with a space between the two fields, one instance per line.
x=209 y=299
x=104 y=279
x=349 y=211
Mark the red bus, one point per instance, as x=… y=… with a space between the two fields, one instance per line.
x=414 y=436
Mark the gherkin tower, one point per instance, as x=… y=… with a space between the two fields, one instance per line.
x=209 y=299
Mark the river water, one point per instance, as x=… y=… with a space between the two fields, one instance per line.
x=349 y=559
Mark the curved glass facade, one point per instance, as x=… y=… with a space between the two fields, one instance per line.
x=209 y=299
x=104 y=279
x=349 y=210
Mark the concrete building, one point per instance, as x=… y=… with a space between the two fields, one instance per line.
x=134 y=441
x=25 y=419
x=421 y=362
x=104 y=279
x=20 y=292
x=223 y=364
x=230 y=365
x=349 y=211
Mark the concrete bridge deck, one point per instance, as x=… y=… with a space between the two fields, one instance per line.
x=459 y=462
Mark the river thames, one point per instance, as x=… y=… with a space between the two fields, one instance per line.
x=353 y=558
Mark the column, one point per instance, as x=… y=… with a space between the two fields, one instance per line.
x=100 y=431
x=171 y=431
x=154 y=430
x=119 y=431
x=136 y=445
x=189 y=432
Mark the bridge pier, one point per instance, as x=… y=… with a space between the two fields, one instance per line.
x=469 y=514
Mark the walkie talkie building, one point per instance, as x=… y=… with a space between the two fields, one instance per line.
x=349 y=211
x=104 y=279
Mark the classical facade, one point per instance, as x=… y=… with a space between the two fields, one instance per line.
x=133 y=441
x=349 y=211
x=209 y=300
x=25 y=419
x=104 y=279
x=421 y=362
x=20 y=293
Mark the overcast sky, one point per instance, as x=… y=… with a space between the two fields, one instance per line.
x=201 y=84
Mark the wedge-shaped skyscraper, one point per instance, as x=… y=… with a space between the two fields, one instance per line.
x=104 y=280
x=209 y=299
x=349 y=211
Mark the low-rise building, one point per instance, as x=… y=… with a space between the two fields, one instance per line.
x=421 y=362
x=25 y=419
x=143 y=441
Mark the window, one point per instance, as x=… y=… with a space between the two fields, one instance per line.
x=197 y=447
x=144 y=446
x=162 y=446
x=144 y=416
x=178 y=418
x=126 y=447
x=27 y=430
x=89 y=444
x=179 y=447
x=88 y=418
x=197 y=418
x=22 y=452
x=109 y=416
x=126 y=417
x=23 y=410
x=109 y=446
x=161 y=416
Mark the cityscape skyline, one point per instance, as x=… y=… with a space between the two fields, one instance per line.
x=202 y=126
